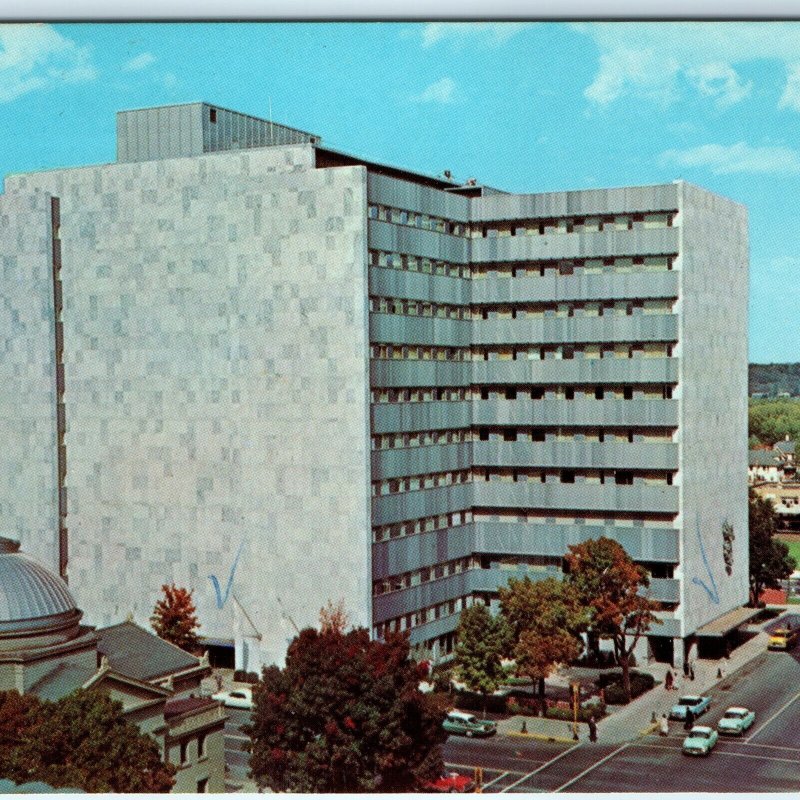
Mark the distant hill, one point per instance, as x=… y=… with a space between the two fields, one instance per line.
x=771 y=380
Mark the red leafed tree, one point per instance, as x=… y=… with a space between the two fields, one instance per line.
x=608 y=584
x=175 y=617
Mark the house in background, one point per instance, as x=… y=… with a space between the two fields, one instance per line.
x=764 y=466
x=45 y=651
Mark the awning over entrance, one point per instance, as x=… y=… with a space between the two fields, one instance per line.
x=210 y=641
x=727 y=622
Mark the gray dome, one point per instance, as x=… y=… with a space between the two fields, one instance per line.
x=29 y=592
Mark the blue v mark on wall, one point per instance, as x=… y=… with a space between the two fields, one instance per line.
x=712 y=592
x=223 y=598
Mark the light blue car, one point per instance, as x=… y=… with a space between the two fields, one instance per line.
x=700 y=741
x=695 y=702
x=736 y=720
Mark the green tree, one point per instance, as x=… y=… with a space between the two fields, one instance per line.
x=608 y=584
x=481 y=641
x=82 y=741
x=345 y=715
x=546 y=620
x=175 y=618
x=770 y=561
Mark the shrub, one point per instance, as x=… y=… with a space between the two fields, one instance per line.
x=596 y=710
x=525 y=704
x=611 y=684
x=440 y=678
x=473 y=701
x=240 y=676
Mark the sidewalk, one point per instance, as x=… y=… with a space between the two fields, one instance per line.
x=629 y=722
x=551 y=730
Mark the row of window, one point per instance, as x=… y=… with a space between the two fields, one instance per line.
x=391 y=441
x=415 y=219
x=423 y=615
x=411 y=527
x=620 y=477
x=397 y=530
x=417 y=308
x=438 y=395
x=399 y=441
x=396 y=583
x=575 y=392
x=544 y=226
x=609 y=265
x=412 y=483
x=533 y=352
x=599 y=308
x=427 y=394
x=571 y=435
x=411 y=263
x=539 y=226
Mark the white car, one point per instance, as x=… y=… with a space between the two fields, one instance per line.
x=736 y=720
x=235 y=698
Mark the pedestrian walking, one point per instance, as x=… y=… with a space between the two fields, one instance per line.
x=668 y=680
x=663 y=726
x=592 y=729
x=689 y=721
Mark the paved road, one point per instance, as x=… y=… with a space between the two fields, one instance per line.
x=766 y=759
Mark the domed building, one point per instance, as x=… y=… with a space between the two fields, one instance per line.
x=45 y=651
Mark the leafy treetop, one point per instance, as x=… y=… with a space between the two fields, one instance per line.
x=175 y=618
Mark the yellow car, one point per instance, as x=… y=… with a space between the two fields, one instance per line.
x=783 y=639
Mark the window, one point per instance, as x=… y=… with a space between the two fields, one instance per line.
x=511 y=394
x=623 y=478
x=627 y=393
x=201 y=746
x=184 y=751
x=569 y=393
x=509 y=435
x=537 y=436
x=537 y=393
x=212 y=115
x=598 y=393
x=567 y=476
x=202 y=786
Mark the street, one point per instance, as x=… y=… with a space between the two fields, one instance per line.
x=766 y=759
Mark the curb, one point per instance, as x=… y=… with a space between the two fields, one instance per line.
x=542 y=737
x=651 y=728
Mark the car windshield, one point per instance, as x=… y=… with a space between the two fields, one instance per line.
x=470 y=720
x=700 y=734
x=237 y=694
x=688 y=701
x=734 y=714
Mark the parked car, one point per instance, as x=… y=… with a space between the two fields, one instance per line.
x=736 y=720
x=464 y=724
x=783 y=639
x=235 y=698
x=695 y=702
x=450 y=782
x=700 y=741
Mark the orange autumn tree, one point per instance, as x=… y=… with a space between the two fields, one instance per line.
x=608 y=584
x=175 y=617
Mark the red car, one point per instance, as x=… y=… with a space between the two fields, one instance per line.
x=451 y=782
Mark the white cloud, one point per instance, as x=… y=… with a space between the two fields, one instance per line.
x=142 y=61
x=36 y=57
x=643 y=59
x=791 y=93
x=719 y=81
x=170 y=80
x=737 y=158
x=442 y=91
x=491 y=33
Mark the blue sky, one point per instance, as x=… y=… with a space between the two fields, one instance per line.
x=524 y=107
